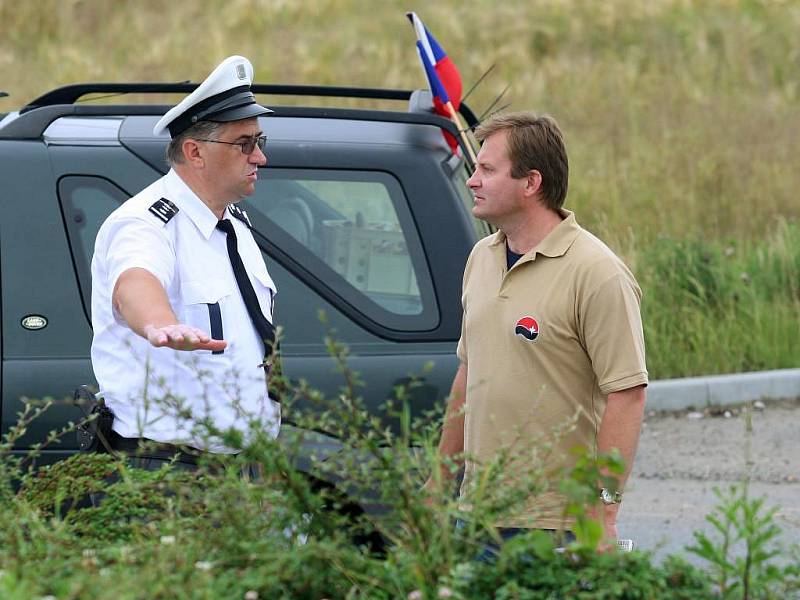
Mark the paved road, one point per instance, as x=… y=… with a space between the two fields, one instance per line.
x=683 y=457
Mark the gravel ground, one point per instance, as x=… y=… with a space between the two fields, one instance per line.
x=683 y=456
x=709 y=446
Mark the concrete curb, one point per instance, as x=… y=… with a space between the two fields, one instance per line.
x=721 y=390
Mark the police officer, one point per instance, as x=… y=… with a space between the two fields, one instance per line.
x=181 y=298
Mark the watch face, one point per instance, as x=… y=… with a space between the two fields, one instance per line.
x=609 y=498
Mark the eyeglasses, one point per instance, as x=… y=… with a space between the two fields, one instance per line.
x=248 y=147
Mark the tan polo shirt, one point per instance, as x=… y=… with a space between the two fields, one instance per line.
x=544 y=344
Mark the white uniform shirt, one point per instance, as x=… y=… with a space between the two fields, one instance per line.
x=146 y=387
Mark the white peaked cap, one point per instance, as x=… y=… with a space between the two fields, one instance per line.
x=224 y=96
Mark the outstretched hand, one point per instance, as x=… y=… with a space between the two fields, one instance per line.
x=182 y=337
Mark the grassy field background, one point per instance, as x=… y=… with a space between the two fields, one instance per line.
x=682 y=120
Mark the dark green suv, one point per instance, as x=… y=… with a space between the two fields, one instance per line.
x=362 y=214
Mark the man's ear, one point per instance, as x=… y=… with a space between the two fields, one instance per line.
x=193 y=154
x=533 y=183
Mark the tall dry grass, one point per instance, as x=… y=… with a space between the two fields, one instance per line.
x=682 y=117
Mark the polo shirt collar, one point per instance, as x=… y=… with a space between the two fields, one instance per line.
x=189 y=203
x=558 y=241
x=555 y=244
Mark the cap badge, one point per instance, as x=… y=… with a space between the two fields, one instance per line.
x=240 y=71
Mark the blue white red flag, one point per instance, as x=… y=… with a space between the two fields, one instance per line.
x=443 y=77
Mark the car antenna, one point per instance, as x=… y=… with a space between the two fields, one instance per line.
x=496 y=100
x=92 y=98
x=477 y=83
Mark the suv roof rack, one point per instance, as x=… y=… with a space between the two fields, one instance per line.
x=70 y=94
x=36 y=116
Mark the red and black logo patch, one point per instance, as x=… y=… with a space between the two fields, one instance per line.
x=527 y=327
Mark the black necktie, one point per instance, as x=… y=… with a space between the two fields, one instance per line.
x=264 y=328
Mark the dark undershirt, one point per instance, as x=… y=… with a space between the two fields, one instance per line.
x=511 y=257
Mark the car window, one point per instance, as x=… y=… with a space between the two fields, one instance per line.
x=85 y=204
x=353 y=230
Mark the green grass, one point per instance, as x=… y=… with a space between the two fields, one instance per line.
x=713 y=307
x=682 y=119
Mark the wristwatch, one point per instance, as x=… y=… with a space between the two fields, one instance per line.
x=608 y=498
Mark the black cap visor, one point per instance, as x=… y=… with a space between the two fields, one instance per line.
x=239 y=113
x=231 y=105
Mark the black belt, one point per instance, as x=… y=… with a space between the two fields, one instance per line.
x=145 y=448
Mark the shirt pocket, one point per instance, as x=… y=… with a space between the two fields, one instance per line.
x=201 y=306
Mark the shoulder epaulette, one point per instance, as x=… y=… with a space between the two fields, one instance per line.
x=239 y=214
x=164 y=210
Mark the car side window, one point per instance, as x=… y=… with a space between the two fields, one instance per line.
x=85 y=204
x=353 y=230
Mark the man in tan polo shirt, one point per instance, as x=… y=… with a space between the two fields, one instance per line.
x=551 y=333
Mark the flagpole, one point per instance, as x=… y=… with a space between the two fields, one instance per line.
x=462 y=132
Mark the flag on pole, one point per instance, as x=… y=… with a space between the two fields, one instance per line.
x=443 y=77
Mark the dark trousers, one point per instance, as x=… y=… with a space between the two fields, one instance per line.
x=490 y=549
x=148 y=455
x=151 y=456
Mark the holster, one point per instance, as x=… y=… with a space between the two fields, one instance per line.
x=94 y=432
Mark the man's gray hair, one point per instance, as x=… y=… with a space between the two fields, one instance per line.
x=200 y=130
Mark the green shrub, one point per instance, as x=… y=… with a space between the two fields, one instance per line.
x=743 y=523
x=290 y=534
x=525 y=570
